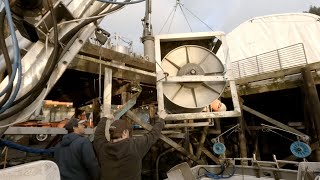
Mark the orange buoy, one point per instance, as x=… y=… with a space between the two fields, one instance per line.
x=217 y=105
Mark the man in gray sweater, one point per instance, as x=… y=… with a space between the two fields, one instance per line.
x=122 y=157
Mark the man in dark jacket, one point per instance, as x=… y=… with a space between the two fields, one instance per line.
x=122 y=157
x=74 y=155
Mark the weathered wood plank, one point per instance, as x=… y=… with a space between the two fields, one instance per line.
x=91 y=65
x=92 y=50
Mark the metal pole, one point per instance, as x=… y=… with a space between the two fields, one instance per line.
x=147 y=37
x=107 y=95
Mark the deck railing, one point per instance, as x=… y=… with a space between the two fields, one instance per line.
x=283 y=58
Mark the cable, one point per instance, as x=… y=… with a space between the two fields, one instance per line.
x=38 y=88
x=197 y=17
x=174 y=13
x=219 y=175
x=8 y=101
x=122 y=3
x=25 y=148
x=5 y=55
x=65 y=38
x=44 y=78
x=15 y=47
x=15 y=92
x=167 y=19
x=158 y=159
x=185 y=17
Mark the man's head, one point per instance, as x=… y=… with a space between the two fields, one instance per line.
x=80 y=114
x=75 y=126
x=119 y=130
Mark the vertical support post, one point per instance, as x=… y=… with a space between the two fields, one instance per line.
x=159 y=72
x=107 y=95
x=96 y=111
x=202 y=140
x=152 y=113
x=312 y=96
x=242 y=140
x=203 y=137
x=147 y=37
x=229 y=76
x=313 y=99
x=256 y=145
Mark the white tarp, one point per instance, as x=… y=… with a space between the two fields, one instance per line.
x=267 y=33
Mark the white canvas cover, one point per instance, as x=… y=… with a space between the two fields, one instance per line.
x=268 y=33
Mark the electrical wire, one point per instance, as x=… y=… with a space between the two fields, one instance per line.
x=16 y=58
x=122 y=3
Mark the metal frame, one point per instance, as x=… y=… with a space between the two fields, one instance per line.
x=228 y=77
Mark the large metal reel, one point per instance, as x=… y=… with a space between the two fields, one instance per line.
x=181 y=97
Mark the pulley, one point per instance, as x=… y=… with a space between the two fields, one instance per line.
x=188 y=61
x=300 y=149
x=219 y=148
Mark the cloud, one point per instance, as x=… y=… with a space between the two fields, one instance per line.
x=218 y=14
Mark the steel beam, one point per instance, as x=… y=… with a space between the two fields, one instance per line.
x=210 y=155
x=272 y=121
x=195 y=78
x=199 y=124
x=107 y=96
x=175 y=145
x=202 y=115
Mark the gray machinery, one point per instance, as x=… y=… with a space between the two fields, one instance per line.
x=190 y=76
x=45 y=60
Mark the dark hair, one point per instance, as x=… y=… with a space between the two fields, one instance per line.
x=70 y=125
x=116 y=129
x=78 y=112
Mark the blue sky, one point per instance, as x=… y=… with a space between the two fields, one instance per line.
x=222 y=15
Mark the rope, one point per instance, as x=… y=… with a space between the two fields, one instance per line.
x=19 y=147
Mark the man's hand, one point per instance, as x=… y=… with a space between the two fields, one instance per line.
x=109 y=116
x=162 y=114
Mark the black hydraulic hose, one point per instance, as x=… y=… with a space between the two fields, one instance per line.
x=38 y=89
x=48 y=69
x=5 y=55
x=158 y=159
x=50 y=66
